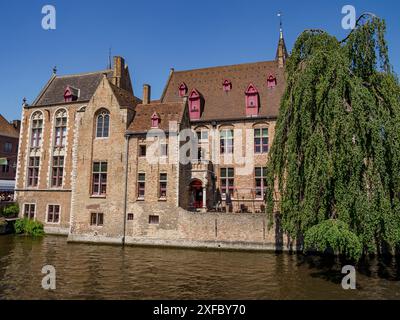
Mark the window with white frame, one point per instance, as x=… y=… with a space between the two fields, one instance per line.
x=37 y=128
x=60 y=128
x=226 y=141
x=163 y=185
x=57 y=171
x=227 y=181
x=29 y=211
x=96 y=219
x=141 y=185
x=33 y=171
x=261 y=140
x=103 y=124
x=53 y=213
x=260 y=181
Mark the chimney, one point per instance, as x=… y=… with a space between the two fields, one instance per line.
x=118 y=70
x=17 y=124
x=146 y=94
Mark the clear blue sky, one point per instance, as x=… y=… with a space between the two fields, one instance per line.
x=154 y=36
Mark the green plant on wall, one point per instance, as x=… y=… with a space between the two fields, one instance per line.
x=11 y=210
x=336 y=152
x=29 y=227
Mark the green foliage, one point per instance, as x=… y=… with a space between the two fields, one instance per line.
x=11 y=210
x=3 y=222
x=336 y=151
x=29 y=227
x=334 y=235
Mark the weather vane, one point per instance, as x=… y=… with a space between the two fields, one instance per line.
x=280 y=14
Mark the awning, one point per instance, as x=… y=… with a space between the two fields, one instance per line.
x=3 y=161
x=7 y=185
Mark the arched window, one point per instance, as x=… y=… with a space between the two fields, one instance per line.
x=60 y=128
x=37 y=127
x=103 y=124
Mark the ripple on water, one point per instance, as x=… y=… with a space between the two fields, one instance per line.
x=112 y=272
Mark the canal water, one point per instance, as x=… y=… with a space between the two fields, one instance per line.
x=112 y=272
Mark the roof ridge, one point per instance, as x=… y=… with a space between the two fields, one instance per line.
x=83 y=74
x=226 y=66
x=44 y=89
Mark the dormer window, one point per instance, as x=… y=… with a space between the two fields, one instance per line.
x=183 y=89
x=195 y=105
x=155 y=120
x=252 y=100
x=271 y=81
x=227 y=85
x=71 y=94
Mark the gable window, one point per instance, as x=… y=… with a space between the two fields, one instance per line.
x=57 y=172
x=195 y=105
x=155 y=120
x=8 y=147
x=103 y=124
x=163 y=185
x=261 y=140
x=33 y=171
x=227 y=181
x=141 y=185
x=99 y=183
x=29 y=211
x=260 y=181
x=183 y=89
x=60 y=129
x=96 y=219
x=271 y=81
x=226 y=141
x=71 y=94
x=252 y=101
x=142 y=150
x=53 y=213
x=37 y=126
x=227 y=85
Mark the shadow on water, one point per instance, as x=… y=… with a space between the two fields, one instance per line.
x=328 y=267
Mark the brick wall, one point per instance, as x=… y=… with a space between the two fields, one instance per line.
x=11 y=157
x=89 y=149
x=44 y=194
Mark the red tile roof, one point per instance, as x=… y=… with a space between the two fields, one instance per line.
x=7 y=129
x=220 y=105
x=167 y=112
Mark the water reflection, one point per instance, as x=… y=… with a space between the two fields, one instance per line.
x=113 y=272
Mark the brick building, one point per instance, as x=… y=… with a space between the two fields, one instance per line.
x=99 y=164
x=9 y=134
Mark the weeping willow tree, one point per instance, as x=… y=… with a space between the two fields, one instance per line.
x=334 y=165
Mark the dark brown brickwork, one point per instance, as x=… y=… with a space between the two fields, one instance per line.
x=9 y=133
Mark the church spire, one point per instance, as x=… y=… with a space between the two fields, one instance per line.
x=281 y=53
